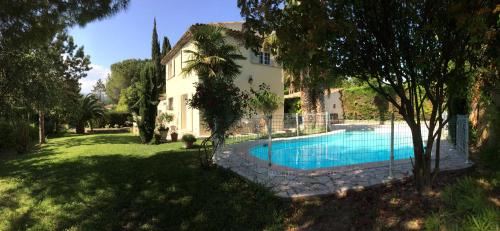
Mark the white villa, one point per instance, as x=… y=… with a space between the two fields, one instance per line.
x=256 y=69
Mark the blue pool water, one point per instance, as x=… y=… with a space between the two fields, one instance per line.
x=338 y=149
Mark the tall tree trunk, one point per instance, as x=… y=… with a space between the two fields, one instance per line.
x=421 y=169
x=320 y=106
x=307 y=99
x=41 y=127
x=438 y=152
x=80 y=128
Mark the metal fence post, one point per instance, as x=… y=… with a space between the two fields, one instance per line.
x=462 y=136
x=391 y=164
x=326 y=121
x=466 y=139
x=269 y=138
x=297 y=129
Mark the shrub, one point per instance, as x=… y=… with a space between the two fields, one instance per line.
x=18 y=135
x=116 y=118
x=465 y=196
x=466 y=208
x=6 y=138
x=188 y=138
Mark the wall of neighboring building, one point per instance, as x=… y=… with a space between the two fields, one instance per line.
x=333 y=104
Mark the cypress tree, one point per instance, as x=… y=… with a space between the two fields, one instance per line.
x=147 y=109
x=164 y=50
x=156 y=58
x=152 y=79
x=151 y=85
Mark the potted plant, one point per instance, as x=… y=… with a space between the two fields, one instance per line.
x=163 y=132
x=188 y=140
x=161 y=120
x=173 y=134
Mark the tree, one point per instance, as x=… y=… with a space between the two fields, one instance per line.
x=99 y=90
x=164 y=50
x=156 y=59
x=297 y=33
x=33 y=46
x=89 y=109
x=34 y=24
x=408 y=51
x=147 y=107
x=151 y=80
x=414 y=49
x=54 y=71
x=266 y=102
x=220 y=102
x=124 y=74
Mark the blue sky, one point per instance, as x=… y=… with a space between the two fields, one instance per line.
x=128 y=34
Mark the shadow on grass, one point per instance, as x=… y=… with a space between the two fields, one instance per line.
x=166 y=191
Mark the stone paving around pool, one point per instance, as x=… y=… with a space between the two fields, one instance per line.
x=289 y=183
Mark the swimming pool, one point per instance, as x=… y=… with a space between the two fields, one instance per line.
x=336 y=149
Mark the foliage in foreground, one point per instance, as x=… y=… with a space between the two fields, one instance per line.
x=113 y=182
x=467 y=207
x=419 y=54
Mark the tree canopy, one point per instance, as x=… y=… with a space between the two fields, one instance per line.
x=123 y=75
x=408 y=51
x=39 y=63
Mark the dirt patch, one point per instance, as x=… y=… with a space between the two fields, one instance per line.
x=393 y=206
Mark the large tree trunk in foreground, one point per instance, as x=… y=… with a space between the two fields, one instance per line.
x=422 y=161
x=41 y=127
x=80 y=128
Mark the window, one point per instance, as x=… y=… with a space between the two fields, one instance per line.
x=264 y=58
x=170 y=103
x=169 y=70
x=334 y=106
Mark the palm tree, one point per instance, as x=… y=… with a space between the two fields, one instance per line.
x=213 y=57
x=214 y=61
x=311 y=84
x=89 y=109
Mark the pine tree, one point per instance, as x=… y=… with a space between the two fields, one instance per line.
x=99 y=90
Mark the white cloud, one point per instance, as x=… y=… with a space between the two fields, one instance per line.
x=97 y=72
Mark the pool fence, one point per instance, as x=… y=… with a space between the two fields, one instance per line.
x=304 y=142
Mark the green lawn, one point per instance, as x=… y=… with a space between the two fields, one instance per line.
x=111 y=182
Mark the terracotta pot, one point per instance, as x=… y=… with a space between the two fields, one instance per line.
x=188 y=145
x=174 y=136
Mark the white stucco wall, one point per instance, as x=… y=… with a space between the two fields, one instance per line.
x=181 y=84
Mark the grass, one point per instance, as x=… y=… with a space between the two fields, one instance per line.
x=473 y=202
x=111 y=182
